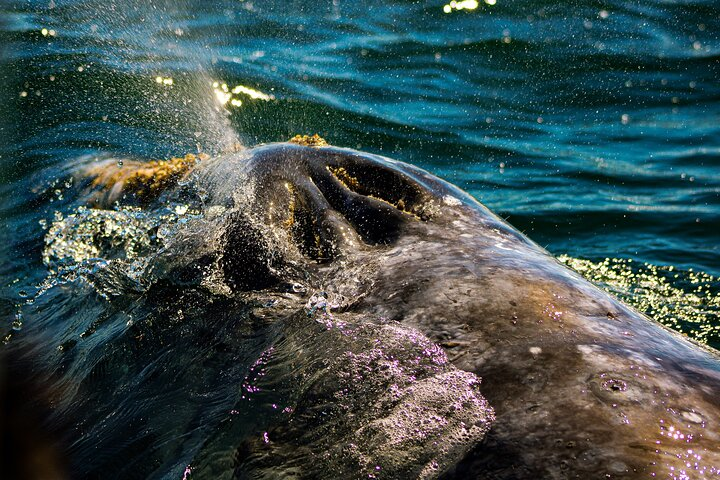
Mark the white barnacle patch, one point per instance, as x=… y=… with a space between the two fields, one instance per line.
x=451 y=201
x=692 y=417
x=588 y=349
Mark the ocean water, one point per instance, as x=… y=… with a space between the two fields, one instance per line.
x=591 y=126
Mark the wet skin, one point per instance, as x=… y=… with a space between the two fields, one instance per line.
x=581 y=385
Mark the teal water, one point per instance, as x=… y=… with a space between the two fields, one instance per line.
x=591 y=126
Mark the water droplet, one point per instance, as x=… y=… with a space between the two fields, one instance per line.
x=17 y=323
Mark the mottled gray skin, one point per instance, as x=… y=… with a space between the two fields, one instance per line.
x=582 y=385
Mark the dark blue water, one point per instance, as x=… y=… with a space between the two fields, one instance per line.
x=592 y=126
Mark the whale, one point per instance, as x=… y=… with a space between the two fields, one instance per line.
x=300 y=310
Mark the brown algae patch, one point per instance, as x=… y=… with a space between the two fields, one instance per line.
x=290 y=221
x=304 y=227
x=145 y=180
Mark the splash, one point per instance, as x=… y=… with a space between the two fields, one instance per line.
x=227 y=96
x=456 y=6
x=127 y=234
x=168 y=76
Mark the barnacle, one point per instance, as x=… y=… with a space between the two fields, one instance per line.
x=309 y=140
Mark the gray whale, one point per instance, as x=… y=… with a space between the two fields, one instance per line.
x=574 y=383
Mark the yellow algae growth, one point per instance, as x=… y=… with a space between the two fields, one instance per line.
x=309 y=140
x=290 y=221
x=345 y=178
x=419 y=210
